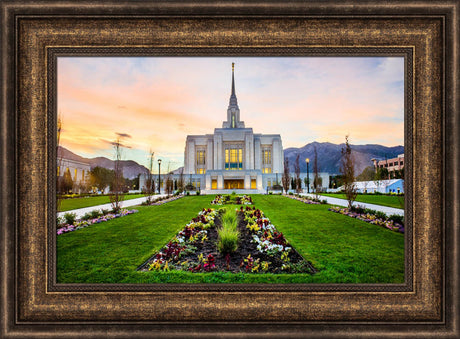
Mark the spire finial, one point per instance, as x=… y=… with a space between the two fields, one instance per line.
x=233 y=80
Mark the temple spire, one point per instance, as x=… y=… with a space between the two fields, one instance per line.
x=233 y=100
x=233 y=111
x=233 y=79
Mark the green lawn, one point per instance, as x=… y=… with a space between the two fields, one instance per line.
x=383 y=200
x=74 y=203
x=345 y=250
x=342 y=248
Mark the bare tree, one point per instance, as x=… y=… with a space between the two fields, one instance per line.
x=180 y=183
x=286 y=175
x=116 y=194
x=347 y=170
x=168 y=182
x=317 y=180
x=298 y=182
x=149 y=189
x=59 y=165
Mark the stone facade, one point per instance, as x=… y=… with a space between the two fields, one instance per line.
x=233 y=158
x=78 y=170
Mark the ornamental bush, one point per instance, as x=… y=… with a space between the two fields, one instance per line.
x=70 y=218
x=228 y=240
x=228 y=233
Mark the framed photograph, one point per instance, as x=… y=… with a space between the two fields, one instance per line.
x=233 y=166
x=83 y=82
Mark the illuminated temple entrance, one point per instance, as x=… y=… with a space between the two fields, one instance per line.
x=234 y=184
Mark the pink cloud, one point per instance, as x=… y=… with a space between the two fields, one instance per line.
x=159 y=101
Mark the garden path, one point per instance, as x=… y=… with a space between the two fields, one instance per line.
x=127 y=203
x=344 y=203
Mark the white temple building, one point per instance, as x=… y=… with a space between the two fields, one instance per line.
x=233 y=158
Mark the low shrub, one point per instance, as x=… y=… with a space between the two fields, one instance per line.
x=70 y=218
x=370 y=211
x=358 y=209
x=95 y=214
x=86 y=216
x=91 y=215
x=399 y=219
x=380 y=215
x=60 y=220
x=197 y=193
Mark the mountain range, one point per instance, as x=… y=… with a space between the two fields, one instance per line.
x=130 y=168
x=328 y=158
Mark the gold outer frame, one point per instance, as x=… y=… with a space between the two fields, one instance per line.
x=32 y=305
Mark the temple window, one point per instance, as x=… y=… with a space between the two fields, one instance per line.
x=234 y=158
x=200 y=157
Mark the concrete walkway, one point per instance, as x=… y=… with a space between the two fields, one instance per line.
x=342 y=202
x=126 y=203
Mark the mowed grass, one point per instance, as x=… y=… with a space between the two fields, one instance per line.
x=111 y=251
x=383 y=200
x=74 y=203
x=344 y=250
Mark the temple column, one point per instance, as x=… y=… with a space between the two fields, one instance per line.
x=209 y=156
x=191 y=157
x=257 y=155
x=247 y=182
x=220 y=182
x=259 y=182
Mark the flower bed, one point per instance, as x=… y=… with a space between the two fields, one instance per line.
x=232 y=199
x=311 y=201
x=261 y=248
x=186 y=242
x=162 y=200
x=272 y=245
x=79 y=224
x=370 y=218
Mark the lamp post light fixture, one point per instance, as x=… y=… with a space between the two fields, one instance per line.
x=307 y=160
x=159 y=178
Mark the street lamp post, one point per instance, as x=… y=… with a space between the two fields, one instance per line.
x=308 y=175
x=159 y=178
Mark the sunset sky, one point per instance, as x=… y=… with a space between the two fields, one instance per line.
x=154 y=103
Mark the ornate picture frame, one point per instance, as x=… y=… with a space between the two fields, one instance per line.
x=33 y=36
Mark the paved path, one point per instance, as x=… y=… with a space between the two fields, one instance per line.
x=126 y=203
x=343 y=202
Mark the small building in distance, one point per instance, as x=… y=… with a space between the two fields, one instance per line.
x=380 y=186
x=392 y=165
